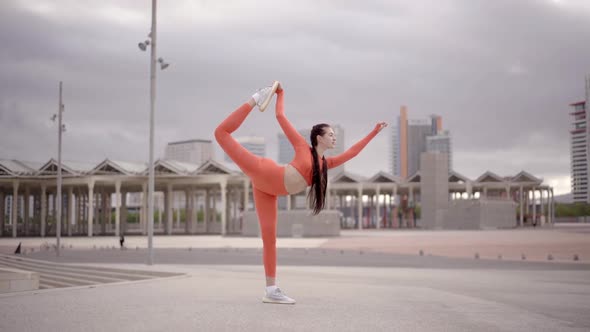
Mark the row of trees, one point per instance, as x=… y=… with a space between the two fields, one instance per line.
x=572 y=210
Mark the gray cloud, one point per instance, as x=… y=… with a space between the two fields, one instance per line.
x=500 y=73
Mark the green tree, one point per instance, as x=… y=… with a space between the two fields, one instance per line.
x=132 y=217
x=572 y=210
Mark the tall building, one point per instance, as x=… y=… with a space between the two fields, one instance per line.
x=286 y=152
x=196 y=151
x=399 y=145
x=418 y=130
x=410 y=137
x=580 y=149
x=254 y=144
x=441 y=143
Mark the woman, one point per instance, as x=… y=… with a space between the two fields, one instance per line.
x=269 y=180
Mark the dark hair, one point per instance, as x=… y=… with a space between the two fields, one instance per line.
x=319 y=180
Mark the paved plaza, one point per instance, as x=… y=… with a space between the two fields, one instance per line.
x=363 y=280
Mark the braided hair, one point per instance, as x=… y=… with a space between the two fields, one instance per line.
x=319 y=179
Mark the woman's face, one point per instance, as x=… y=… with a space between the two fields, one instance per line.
x=328 y=139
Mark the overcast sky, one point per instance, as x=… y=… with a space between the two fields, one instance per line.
x=500 y=73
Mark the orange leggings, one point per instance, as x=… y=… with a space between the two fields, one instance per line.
x=267 y=183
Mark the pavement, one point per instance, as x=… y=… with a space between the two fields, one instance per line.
x=372 y=280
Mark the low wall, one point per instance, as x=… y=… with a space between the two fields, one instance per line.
x=14 y=280
x=580 y=220
x=498 y=214
x=297 y=223
x=480 y=214
x=463 y=214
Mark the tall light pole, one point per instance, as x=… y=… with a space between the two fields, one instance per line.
x=163 y=65
x=60 y=129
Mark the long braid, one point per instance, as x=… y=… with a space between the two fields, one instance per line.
x=319 y=180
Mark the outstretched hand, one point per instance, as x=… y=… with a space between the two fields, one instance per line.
x=380 y=125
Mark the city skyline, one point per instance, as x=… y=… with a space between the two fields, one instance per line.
x=195 y=151
x=504 y=90
x=255 y=144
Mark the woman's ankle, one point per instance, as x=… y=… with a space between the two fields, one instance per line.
x=270 y=281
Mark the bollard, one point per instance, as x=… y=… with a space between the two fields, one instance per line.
x=476 y=255
x=576 y=258
x=523 y=257
x=421 y=252
x=500 y=256
x=549 y=257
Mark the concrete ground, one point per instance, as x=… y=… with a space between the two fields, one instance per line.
x=360 y=281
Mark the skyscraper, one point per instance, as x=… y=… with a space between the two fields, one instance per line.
x=196 y=151
x=580 y=149
x=441 y=143
x=410 y=137
x=399 y=143
x=418 y=130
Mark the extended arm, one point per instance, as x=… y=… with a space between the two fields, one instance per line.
x=354 y=150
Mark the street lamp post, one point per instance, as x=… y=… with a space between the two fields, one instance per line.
x=163 y=65
x=60 y=129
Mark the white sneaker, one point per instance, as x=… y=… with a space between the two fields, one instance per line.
x=277 y=296
x=265 y=95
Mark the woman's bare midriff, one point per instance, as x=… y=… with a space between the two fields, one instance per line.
x=294 y=182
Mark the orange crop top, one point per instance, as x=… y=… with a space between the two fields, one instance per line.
x=303 y=159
